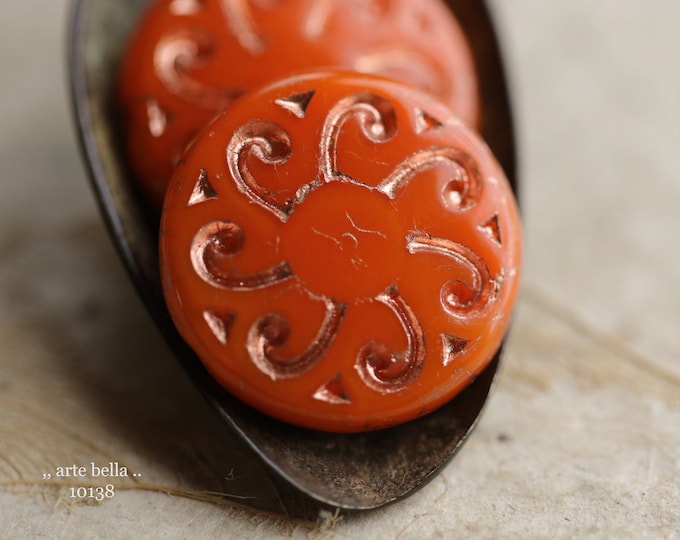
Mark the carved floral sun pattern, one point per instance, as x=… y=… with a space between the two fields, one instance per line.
x=189 y=59
x=341 y=253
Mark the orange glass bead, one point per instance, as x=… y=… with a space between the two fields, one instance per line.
x=340 y=251
x=187 y=60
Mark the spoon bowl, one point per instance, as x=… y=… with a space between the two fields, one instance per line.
x=310 y=470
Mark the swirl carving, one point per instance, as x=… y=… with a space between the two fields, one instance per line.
x=240 y=21
x=462 y=191
x=272 y=330
x=384 y=370
x=271 y=144
x=214 y=245
x=178 y=53
x=377 y=121
x=459 y=299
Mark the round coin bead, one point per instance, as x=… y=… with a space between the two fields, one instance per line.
x=187 y=60
x=340 y=251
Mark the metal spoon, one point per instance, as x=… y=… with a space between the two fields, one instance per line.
x=309 y=470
